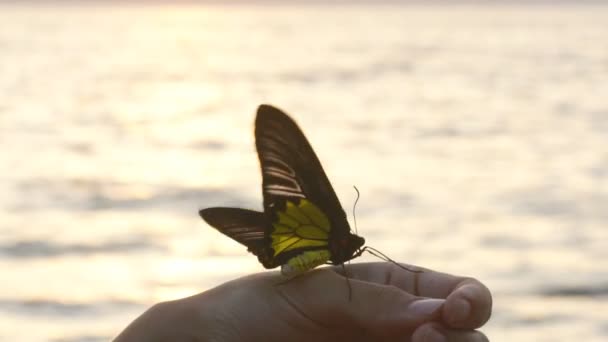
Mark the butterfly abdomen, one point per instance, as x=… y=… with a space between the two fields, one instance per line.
x=304 y=262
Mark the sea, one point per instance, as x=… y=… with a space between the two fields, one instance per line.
x=476 y=133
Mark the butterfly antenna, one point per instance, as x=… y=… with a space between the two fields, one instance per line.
x=355 y=207
x=380 y=255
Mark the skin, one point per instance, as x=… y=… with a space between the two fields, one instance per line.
x=387 y=303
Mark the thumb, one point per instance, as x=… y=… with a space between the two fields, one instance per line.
x=379 y=310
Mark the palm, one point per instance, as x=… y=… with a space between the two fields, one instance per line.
x=388 y=303
x=316 y=305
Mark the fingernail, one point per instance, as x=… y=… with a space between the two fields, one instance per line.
x=425 y=307
x=459 y=310
x=433 y=335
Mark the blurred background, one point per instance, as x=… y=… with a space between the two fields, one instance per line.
x=477 y=134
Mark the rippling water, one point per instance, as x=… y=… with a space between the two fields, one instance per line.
x=478 y=137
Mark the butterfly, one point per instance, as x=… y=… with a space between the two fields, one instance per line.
x=303 y=224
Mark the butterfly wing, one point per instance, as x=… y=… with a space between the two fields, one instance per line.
x=299 y=201
x=248 y=227
x=290 y=167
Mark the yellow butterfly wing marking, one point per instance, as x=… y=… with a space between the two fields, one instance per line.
x=301 y=226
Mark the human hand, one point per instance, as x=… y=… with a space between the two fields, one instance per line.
x=387 y=304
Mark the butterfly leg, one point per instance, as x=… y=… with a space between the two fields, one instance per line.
x=347 y=277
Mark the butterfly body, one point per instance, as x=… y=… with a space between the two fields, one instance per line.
x=303 y=224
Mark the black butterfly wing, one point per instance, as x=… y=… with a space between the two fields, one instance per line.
x=248 y=227
x=290 y=167
x=292 y=173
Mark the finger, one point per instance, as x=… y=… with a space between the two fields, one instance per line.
x=469 y=306
x=377 y=309
x=468 y=302
x=434 y=332
x=427 y=283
